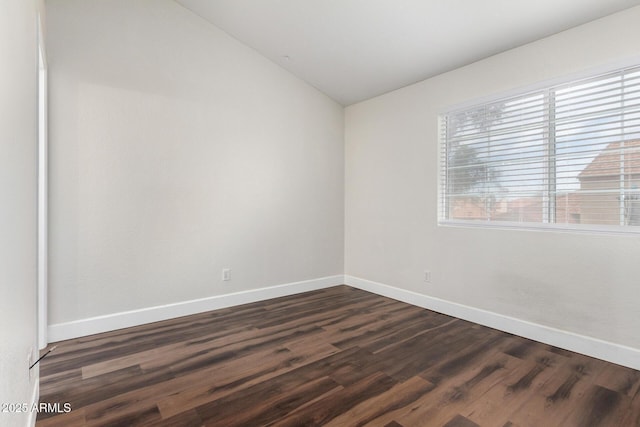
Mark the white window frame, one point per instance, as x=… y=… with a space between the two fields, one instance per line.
x=545 y=85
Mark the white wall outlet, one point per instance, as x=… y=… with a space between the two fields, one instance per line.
x=226 y=274
x=427 y=276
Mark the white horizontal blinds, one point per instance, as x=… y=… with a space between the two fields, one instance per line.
x=569 y=154
x=496 y=161
x=597 y=148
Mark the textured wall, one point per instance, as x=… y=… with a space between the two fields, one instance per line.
x=582 y=283
x=175 y=152
x=18 y=190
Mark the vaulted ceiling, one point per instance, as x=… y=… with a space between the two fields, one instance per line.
x=356 y=49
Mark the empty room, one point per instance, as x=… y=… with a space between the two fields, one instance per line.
x=320 y=213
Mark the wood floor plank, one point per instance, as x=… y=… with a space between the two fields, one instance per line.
x=183 y=419
x=523 y=383
x=157 y=354
x=216 y=383
x=454 y=393
x=558 y=397
x=632 y=416
x=75 y=418
x=599 y=407
x=99 y=389
x=460 y=421
x=336 y=357
x=399 y=396
x=265 y=402
x=620 y=379
x=140 y=416
x=322 y=412
x=497 y=405
x=211 y=382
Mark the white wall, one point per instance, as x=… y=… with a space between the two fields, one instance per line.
x=18 y=160
x=581 y=283
x=176 y=151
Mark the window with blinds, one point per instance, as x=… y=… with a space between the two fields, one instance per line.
x=567 y=154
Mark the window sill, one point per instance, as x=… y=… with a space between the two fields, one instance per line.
x=557 y=228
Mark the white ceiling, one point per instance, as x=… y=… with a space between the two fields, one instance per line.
x=356 y=49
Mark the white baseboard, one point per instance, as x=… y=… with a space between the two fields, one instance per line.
x=110 y=322
x=611 y=352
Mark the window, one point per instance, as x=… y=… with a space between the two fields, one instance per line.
x=567 y=155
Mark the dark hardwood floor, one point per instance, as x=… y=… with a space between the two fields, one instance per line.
x=334 y=357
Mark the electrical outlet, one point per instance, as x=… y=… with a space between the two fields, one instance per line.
x=226 y=274
x=427 y=276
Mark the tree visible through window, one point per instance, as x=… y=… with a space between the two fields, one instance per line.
x=568 y=154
